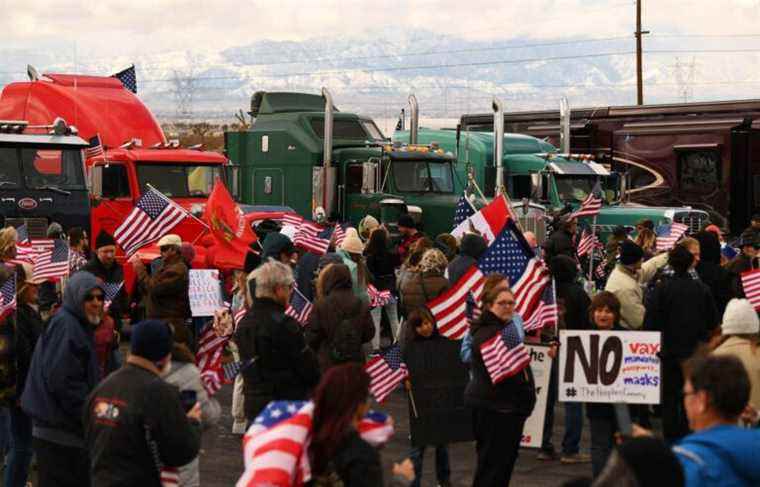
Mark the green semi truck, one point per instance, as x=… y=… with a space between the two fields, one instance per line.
x=301 y=152
x=534 y=172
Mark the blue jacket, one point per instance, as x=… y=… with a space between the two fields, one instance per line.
x=726 y=456
x=64 y=369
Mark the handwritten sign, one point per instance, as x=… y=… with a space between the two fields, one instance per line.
x=205 y=292
x=541 y=365
x=609 y=366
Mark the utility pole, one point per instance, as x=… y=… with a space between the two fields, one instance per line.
x=639 y=76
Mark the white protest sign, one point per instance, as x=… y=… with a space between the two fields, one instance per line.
x=205 y=292
x=609 y=366
x=541 y=366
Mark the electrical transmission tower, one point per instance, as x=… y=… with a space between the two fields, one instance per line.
x=684 y=74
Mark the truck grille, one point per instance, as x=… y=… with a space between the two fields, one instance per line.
x=695 y=219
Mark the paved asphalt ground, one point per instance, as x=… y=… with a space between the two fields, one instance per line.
x=222 y=462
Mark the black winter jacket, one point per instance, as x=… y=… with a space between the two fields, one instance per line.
x=29 y=327
x=515 y=395
x=560 y=243
x=684 y=311
x=130 y=406
x=574 y=298
x=357 y=463
x=285 y=369
x=382 y=266
x=340 y=304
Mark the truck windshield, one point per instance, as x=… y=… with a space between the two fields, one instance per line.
x=178 y=180
x=577 y=187
x=423 y=176
x=41 y=168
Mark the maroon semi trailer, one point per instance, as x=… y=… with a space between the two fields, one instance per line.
x=704 y=155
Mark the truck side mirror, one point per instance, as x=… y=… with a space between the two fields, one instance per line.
x=96 y=181
x=369 y=177
x=233 y=180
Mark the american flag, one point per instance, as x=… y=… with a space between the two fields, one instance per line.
x=95 y=149
x=76 y=261
x=751 y=286
x=546 y=314
x=512 y=256
x=153 y=217
x=169 y=476
x=275 y=446
x=668 y=235
x=291 y=219
x=208 y=358
x=53 y=264
x=379 y=298
x=450 y=308
x=589 y=207
x=504 y=355
x=312 y=237
x=588 y=241
x=463 y=211
x=299 y=308
x=386 y=371
x=28 y=250
x=8 y=296
x=232 y=369
x=110 y=291
x=237 y=316
x=339 y=234
x=128 y=78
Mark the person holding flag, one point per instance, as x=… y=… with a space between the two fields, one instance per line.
x=167 y=288
x=562 y=241
x=501 y=391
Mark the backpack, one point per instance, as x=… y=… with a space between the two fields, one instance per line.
x=346 y=341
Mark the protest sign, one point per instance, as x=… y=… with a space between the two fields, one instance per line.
x=205 y=292
x=541 y=366
x=438 y=379
x=609 y=366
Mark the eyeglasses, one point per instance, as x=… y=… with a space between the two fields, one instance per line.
x=93 y=297
x=505 y=303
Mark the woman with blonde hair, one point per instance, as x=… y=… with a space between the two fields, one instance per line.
x=647 y=240
x=8 y=239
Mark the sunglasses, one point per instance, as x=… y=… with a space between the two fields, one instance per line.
x=92 y=297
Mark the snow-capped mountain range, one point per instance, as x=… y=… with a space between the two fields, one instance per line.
x=375 y=73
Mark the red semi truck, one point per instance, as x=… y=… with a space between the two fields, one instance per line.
x=136 y=152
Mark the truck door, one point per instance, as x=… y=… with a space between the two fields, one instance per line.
x=268 y=186
x=357 y=193
x=111 y=197
x=745 y=177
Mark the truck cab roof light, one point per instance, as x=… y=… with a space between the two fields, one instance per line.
x=13 y=126
x=131 y=144
x=172 y=144
x=157 y=145
x=60 y=128
x=198 y=147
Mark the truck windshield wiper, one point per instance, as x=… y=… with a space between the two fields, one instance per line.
x=54 y=189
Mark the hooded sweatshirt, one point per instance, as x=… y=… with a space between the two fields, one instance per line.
x=725 y=456
x=716 y=277
x=64 y=369
x=470 y=250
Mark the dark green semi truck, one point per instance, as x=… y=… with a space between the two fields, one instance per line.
x=303 y=153
x=534 y=171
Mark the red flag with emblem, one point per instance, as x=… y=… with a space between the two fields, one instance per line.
x=232 y=235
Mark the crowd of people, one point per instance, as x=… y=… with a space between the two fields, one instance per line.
x=90 y=414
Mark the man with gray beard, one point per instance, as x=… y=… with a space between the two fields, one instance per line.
x=63 y=371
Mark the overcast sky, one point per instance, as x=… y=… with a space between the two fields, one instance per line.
x=124 y=28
